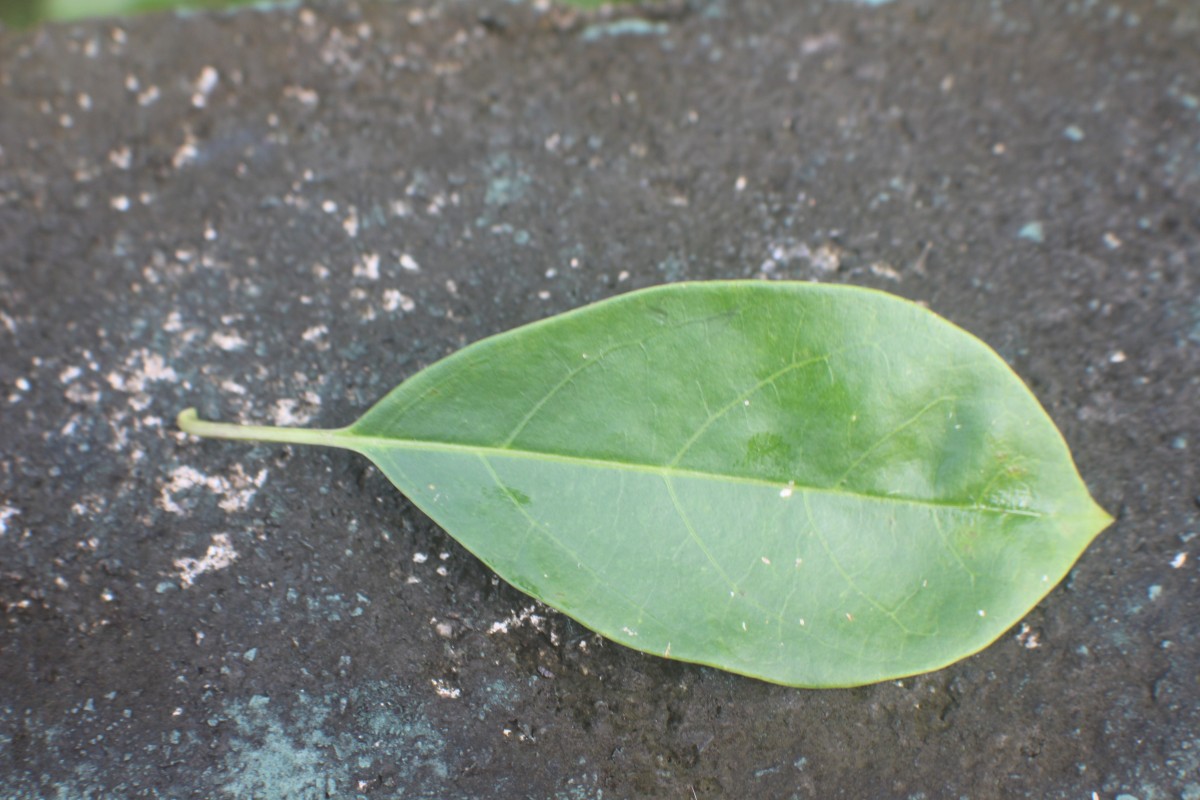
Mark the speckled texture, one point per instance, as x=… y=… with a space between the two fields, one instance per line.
x=278 y=215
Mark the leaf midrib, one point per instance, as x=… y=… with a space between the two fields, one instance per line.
x=363 y=443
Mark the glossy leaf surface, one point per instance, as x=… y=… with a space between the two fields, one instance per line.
x=814 y=485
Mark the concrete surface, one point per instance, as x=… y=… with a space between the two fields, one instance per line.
x=278 y=215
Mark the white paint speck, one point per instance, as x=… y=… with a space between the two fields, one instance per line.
x=7 y=512
x=420 y=558
x=121 y=158
x=220 y=554
x=307 y=97
x=367 y=267
x=766 y=560
x=1117 y=357
x=409 y=263
x=119 y=203
x=740 y=184
x=786 y=491
x=228 y=342
x=1179 y=560
x=885 y=270
x=206 y=81
x=394 y=298
x=69 y=374
x=186 y=153
x=982 y=613
x=1112 y=241
x=629 y=631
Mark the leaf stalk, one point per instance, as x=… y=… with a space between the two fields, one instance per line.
x=189 y=422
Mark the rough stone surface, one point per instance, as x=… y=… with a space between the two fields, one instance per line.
x=278 y=215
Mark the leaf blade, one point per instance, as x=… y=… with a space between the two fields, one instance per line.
x=812 y=485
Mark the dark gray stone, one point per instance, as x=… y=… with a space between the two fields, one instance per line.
x=226 y=211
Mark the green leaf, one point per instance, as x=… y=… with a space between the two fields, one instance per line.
x=813 y=485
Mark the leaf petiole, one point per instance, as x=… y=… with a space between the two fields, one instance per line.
x=189 y=422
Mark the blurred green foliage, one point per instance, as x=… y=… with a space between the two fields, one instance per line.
x=27 y=12
x=21 y=13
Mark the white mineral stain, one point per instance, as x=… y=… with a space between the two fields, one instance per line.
x=141 y=368
x=526 y=616
x=236 y=491
x=287 y=411
x=220 y=554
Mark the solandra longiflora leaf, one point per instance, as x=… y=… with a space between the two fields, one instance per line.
x=813 y=485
